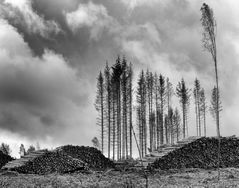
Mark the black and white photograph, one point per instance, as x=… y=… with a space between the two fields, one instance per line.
x=119 y=93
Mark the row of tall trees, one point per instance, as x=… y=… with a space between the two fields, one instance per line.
x=158 y=121
x=114 y=105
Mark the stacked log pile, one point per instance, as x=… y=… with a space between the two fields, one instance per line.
x=164 y=150
x=90 y=155
x=45 y=162
x=201 y=153
x=4 y=159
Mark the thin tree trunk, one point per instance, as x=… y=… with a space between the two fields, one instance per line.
x=119 y=122
x=130 y=116
x=196 y=111
x=102 y=123
x=218 y=125
x=123 y=127
x=204 y=119
x=177 y=130
x=113 y=129
x=109 y=124
x=126 y=132
x=199 y=119
x=184 y=120
x=161 y=123
x=156 y=116
x=166 y=129
x=158 y=128
x=145 y=133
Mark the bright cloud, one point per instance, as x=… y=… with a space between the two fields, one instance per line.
x=90 y=15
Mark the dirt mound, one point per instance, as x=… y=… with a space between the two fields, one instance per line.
x=4 y=159
x=51 y=162
x=90 y=155
x=201 y=153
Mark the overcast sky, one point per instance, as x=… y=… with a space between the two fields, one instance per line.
x=51 y=52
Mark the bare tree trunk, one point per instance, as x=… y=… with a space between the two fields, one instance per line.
x=199 y=119
x=196 y=111
x=124 y=126
x=184 y=120
x=161 y=123
x=166 y=124
x=130 y=116
x=126 y=133
x=145 y=133
x=204 y=119
x=109 y=122
x=158 y=127
x=177 y=130
x=119 y=122
x=217 y=114
x=156 y=116
x=114 y=130
x=102 y=124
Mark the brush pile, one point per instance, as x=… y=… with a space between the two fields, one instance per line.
x=49 y=162
x=201 y=153
x=90 y=155
x=4 y=159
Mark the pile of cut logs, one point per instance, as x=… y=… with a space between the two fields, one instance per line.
x=45 y=163
x=201 y=153
x=90 y=155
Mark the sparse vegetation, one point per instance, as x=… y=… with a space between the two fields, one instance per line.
x=116 y=179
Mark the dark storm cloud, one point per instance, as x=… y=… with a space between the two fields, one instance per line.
x=36 y=93
x=52 y=51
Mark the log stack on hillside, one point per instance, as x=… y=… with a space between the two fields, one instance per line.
x=4 y=159
x=90 y=155
x=201 y=153
x=45 y=162
x=165 y=149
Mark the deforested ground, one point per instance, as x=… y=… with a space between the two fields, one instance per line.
x=115 y=179
x=192 y=165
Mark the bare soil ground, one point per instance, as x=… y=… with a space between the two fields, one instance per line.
x=172 y=178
